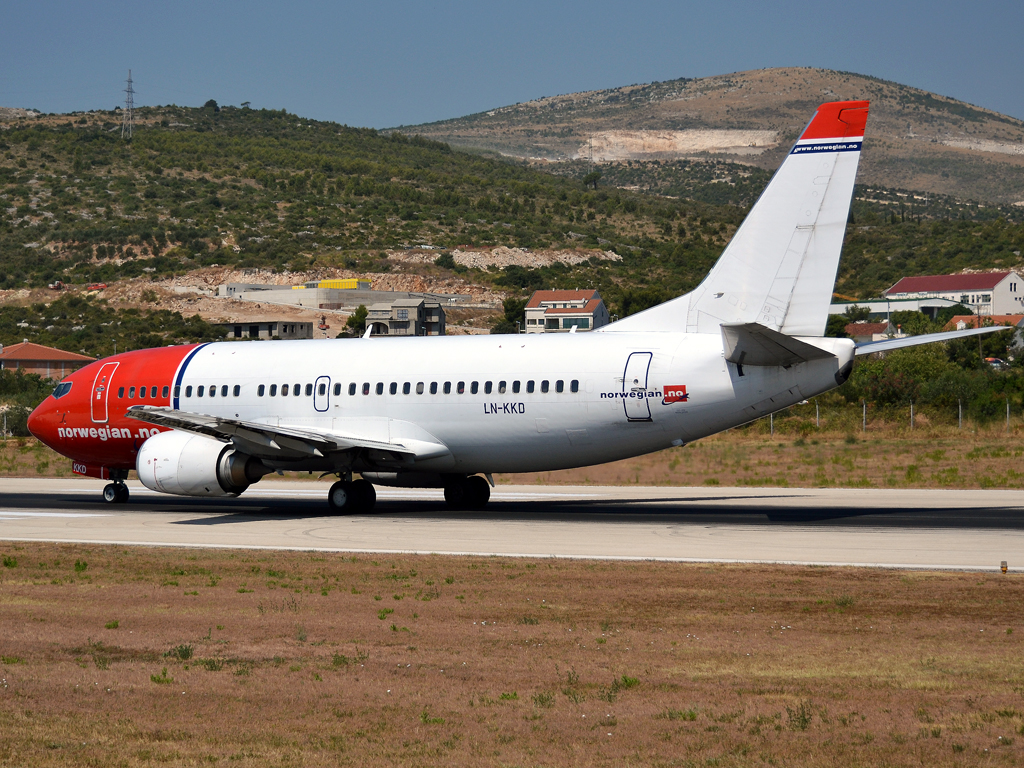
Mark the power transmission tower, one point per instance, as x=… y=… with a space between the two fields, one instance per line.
x=128 y=119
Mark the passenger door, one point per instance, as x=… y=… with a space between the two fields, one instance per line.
x=634 y=387
x=101 y=386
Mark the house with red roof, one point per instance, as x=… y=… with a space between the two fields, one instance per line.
x=987 y=293
x=48 y=362
x=561 y=311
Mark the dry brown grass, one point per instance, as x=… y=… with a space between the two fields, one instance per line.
x=296 y=659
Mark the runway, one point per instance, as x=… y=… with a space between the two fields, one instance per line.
x=946 y=529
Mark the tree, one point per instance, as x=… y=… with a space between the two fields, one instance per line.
x=356 y=323
x=211 y=104
x=513 y=319
x=591 y=179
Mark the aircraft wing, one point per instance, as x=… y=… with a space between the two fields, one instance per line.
x=283 y=442
x=869 y=347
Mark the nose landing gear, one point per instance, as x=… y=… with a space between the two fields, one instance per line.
x=467 y=493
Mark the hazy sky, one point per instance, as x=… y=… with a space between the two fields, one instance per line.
x=383 y=63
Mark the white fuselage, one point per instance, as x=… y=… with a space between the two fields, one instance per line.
x=622 y=394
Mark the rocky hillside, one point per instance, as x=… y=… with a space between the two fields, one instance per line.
x=915 y=139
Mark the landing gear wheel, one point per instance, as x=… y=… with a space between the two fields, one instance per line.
x=115 y=493
x=341 y=498
x=467 y=493
x=366 y=495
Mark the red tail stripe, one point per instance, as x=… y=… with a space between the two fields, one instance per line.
x=838 y=120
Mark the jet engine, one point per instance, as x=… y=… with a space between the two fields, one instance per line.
x=193 y=465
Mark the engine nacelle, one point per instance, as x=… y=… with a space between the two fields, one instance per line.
x=193 y=465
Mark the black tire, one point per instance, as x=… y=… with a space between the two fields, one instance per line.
x=110 y=493
x=365 y=494
x=455 y=494
x=478 y=492
x=342 y=498
x=122 y=494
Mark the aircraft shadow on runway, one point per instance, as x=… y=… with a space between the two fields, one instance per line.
x=740 y=509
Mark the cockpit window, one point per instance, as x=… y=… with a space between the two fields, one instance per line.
x=62 y=389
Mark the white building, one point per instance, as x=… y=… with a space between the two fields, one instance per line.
x=560 y=311
x=987 y=293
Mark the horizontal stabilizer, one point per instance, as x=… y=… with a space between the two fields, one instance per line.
x=870 y=347
x=755 y=344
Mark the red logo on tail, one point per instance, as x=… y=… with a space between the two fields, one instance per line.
x=675 y=393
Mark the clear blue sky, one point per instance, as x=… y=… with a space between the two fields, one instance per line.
x=393 y=62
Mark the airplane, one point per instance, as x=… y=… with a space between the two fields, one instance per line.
x=450 y=411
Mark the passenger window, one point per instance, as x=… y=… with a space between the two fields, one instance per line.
x=406 y=388
x=224 y=391
x=337 y=389
x=515 y=387
x=322 y=389
x=237 y=390
x=474 y=388
x=199 y=391
x=120 y=391
x=487 y=388
x=501 y=387
x=559 y=386
x=188 y=391
x=296 y=389
x=152 y=392
x=213 y=390
x=260 y=390
x=574 y=385
x=461 y=388
x=284 y=390
x=419 y=387
x=273 y=390
x=177 y=391
x=447 y=387
x=366 y=387
x=393 y=389
x=380 y=387
x=131 y=393
x=165 y=392
x=544 y=386
x=309 y=390
x=529 y=386
x=433 y=387
x=352 y=389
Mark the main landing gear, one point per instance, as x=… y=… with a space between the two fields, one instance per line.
x=115 y=492
x=467 y=493
x=348 y=497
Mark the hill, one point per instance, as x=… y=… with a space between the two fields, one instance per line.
x=915 y=140
x=237 y=190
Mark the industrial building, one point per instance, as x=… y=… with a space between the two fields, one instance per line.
x=561 y=311
x=987 y=293
x=269 y=329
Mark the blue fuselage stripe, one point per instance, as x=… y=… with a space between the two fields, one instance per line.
x=181 y=375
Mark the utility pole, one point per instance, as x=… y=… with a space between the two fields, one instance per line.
x=128 y=118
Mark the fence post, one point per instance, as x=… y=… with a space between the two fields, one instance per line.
x=959 y=414
x=1007 y=413
x=817 y=415
x=864 y=416
x=771 y=423
x=911 y=414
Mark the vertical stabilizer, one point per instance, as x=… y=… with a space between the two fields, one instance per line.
x=780 y=268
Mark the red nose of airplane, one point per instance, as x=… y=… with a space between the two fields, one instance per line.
x=42 y=422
